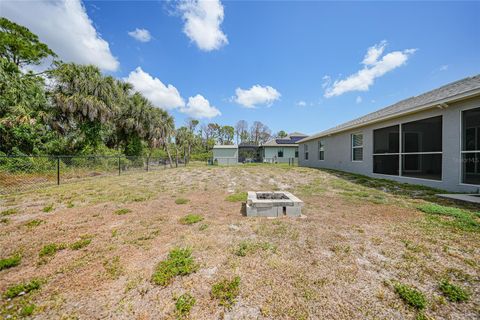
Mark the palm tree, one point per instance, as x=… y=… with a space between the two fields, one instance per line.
x=84 y=99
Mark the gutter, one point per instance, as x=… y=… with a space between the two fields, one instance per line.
x=439 y=103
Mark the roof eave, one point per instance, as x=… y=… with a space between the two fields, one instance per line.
x=441 y=103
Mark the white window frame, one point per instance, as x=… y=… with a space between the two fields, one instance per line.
x=356 y=147
x=400 y=154
x=305 y=151
x=321 y=148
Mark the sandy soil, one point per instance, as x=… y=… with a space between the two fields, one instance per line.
x=335 y=262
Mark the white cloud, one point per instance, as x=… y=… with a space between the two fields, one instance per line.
x=374 y=66
x=142 y=35
x=202 y=23
x=65 y=27
x=374 y=53
x=163 y=96
x=301 y=103
x=256 y=95
x=199 y=107
x=358 y=100
x=444 y=67
x=326 y=81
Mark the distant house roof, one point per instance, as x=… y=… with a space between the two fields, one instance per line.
x=451 y=92
x=225 y=146
x=288 y=141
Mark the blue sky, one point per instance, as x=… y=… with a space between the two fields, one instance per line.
x=298 y=53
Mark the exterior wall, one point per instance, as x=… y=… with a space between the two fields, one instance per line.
x=338 y=151
x=271 y=153
x=225 y=156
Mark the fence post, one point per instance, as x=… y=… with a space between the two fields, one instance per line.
x=119 y=168
x=148 y=160
x=58 y=170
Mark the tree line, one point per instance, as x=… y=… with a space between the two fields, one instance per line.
x=72 y=109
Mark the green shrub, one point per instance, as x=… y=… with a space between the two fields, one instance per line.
x=8 y=212
x=452 y=292
x=48 y=208
x=179 y=263
x=50 y=249
x=82 y=243
x=226 y=291
x=411 y=296
x=184 y=304
x=246 y=247
x=237 y=197
x=22 y=288
x=34 y=223
x=191 y=219
x=181 y=201
x=113 y=267
x=122 y=211
x=10 y=262
x=27 y=310
x=463 y=219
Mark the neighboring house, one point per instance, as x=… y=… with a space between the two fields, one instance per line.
x=225 y=154
x=282 y=149
x=432 y=139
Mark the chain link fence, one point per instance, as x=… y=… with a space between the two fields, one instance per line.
x=21 y=173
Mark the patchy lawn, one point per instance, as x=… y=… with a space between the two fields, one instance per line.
x=364 y=249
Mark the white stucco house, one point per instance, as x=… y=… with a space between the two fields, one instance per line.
x=431 y=139
x=225 y=154
x=282 y=150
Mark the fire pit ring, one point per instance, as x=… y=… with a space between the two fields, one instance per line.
x=273 y=204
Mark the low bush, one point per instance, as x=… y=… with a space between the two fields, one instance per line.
x=50 y=249
x=237 y=197
x=181 y=201
x=179 y=263
x=10 y=262
x=184 y=304
x=82 y=243
x=226 y=291
x=21 y=289
x=411 y=296
x=48 y=208
x=122 y=211
x=453 y=292
x=191 y=219
x=8 y=212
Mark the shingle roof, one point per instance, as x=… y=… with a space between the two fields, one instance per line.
x=444 y=94
x=288 y=141
x=225 y=146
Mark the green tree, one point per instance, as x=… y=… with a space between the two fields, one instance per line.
x=20 y=46
x=85 y=100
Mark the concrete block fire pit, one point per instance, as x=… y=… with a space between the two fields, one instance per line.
x=273 y=204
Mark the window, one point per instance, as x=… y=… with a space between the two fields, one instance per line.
x=386 y=151
x=296 y=153
x=420 y=155
x=321 y=150
x=305 y=150
x=280 y=153
x=357 y=147
x=471 y=146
